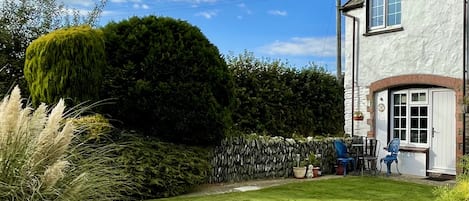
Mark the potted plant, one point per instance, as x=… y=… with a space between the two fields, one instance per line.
x=300 y=170
x=315 y=160
x=358 y=116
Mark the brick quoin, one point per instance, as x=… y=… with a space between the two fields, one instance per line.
x=426 y=79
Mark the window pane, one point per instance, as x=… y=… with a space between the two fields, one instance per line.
x=423 y=123
x=398 y=19
x=414 y=111
x=404 y=99
x=381 y=3
x=380 y=12
x=403 y=135
x=396 y=134
x=377 y=13
x=396 y=111
x=415 y=97
x=396 y=123
x=397 y=99
x=422 y=96
x=394 y=17
x=403 y=110
x=391 y=20
x=423 y=111
x=414 y=123
x=379 y=21
x=403 y=123
x=423 y=136
x=414 y=137
x=391 y=8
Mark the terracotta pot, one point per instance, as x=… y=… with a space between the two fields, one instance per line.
x=299 y=172
x=339 y=170
x=316 y=171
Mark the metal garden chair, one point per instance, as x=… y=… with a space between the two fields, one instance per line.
x=369 y=158
x=393 y=149
x=342 y=155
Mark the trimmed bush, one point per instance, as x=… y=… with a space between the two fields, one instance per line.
x=169 y=80
x=276 y=100
x=65 y=63
x=163 y=169
x=40 y=160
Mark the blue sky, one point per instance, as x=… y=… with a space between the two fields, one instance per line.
x=297 y=31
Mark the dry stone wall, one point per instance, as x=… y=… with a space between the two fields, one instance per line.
x=260 y=157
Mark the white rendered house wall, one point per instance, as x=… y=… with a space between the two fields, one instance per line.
x=431 y=43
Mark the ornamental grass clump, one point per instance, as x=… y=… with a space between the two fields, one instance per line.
x=41 y=160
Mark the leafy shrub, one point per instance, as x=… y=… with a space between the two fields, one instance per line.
x=168 y=79
x=163 y=169
x=41 y=162
x=460 y=191
x=65 y=63
x=94 y=126
x=277 y=100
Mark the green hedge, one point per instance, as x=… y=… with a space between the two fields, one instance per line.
x=163 y=169
x=168 y=80
x=277 y=100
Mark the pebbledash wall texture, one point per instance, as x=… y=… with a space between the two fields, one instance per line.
x=428 y=50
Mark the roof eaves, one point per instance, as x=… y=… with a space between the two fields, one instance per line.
x=352 y=4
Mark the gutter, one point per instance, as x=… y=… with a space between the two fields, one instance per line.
x=464 y=74
x=355 y=19
x=339 y=41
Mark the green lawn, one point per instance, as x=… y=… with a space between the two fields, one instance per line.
x=347 y=188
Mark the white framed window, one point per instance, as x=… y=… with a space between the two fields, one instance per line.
x=410 y=117
x=384 y=13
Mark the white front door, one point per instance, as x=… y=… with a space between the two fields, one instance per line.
x=443 y=135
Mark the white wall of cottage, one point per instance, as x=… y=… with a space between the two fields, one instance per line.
x=431 y=43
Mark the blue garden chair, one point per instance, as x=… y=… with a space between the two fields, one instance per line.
x=393 y=149
x=342 y=156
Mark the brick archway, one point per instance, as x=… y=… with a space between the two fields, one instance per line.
x=424 y=79
x=402 y=80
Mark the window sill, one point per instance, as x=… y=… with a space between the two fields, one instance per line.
x=412 y=149
x=383 y=31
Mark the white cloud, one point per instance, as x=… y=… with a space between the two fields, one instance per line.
x=141 y=6
x=306 y=46
x=278 y=12
x=207 y=14
x=244 y=8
